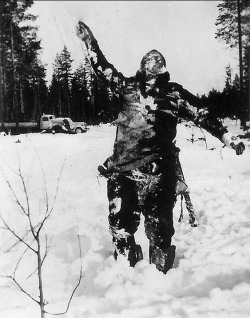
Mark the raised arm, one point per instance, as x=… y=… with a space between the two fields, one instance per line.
x=190 y=108
x=103 y=69
x=204 y=119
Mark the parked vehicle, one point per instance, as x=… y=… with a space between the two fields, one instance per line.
x=47 y=123
x=61 y=124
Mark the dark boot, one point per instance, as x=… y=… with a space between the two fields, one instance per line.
x=129 y=249
x=162 y=258
x=135 y=254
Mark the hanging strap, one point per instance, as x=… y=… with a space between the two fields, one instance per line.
x=189 y=206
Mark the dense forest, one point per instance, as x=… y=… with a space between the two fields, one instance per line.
x=25 y=94
x=233 y=29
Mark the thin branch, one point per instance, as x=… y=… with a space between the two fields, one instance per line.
x=6 y=163
x=77 y=285
x=14 y=194
x=57 y=186
x=16 y=243
x=44 y=181
x=49 y=211
x=20 y=287
x=18 y=262
x=47 y=248
x=27 y=213
x=45 y=192
x=32 y=228
x=17 y=236
x=35 y=230
x=13 y=278
x=25 y=190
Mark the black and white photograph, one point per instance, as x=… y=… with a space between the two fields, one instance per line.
x=124 y=159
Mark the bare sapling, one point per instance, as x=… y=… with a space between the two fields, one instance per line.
x=29 y=236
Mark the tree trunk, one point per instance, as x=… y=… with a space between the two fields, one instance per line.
x=35 y=101
x=38 y=97
x=242 y=106
x=14 y=100
x=60 y=102
x=1 y=67
x=22 y=108
x=68 y=94
x=39 y=268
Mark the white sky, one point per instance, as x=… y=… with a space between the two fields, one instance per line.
x=183 y=31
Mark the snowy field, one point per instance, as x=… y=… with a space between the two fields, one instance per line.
x=211 y=274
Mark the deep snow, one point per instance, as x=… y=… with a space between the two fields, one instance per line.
x=211 y=274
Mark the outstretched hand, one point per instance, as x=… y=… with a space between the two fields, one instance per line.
x=83 y=31
x=239 y=148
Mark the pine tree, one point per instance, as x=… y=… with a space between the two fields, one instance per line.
x=63 y=75
x=54 y=104
x=233 y=28
x=231 y=94
x=80 y=95
x=246 y=75
x=20 y=57
x=1 y=67
x=35 y=91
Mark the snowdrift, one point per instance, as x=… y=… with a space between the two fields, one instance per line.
x=211 y=274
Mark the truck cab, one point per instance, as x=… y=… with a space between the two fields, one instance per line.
x=61 y=124
x=47 y=122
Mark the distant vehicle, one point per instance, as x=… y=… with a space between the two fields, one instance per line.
x=61 y=124
x=47 y=123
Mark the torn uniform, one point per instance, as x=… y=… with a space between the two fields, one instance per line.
x=142 y=169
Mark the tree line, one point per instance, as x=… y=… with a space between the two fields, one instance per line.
x=23 y=84
x=79 y=94
x=233 y=28
x=25 y=94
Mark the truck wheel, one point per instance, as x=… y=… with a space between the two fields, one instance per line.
x=78 y=130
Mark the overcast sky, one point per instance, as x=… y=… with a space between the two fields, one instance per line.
x=183 y=31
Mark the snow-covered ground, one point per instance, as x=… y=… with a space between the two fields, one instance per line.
x=211 y=274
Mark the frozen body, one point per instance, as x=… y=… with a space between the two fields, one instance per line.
x=142 y=171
